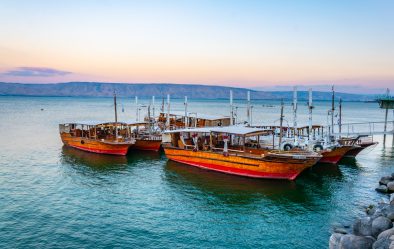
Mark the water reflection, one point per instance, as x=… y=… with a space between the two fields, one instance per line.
x=231 y=189
x=97 y=162
x=137 y=156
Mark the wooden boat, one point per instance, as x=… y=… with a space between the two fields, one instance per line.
x=102 y=138
x=335 y=154
x=146 y=138
x=362 y=142
x=235 y=150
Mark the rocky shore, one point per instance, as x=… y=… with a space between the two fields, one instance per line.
x=375 y=230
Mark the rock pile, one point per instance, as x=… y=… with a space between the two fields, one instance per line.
x=373 y=231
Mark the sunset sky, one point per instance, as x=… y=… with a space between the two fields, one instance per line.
x=259 y=44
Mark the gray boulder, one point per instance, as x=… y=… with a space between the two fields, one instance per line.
x=350 y=241
x=390 y=186
x=363 y=227
x=340 y=230
x=385 y=179
x=383 y=243
x=386 y=234
x=335 y=238
x=380 y=224
x=388 y=211
x=391 y=199
x=382 y=189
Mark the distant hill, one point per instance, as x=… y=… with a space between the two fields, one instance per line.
x=95 y=89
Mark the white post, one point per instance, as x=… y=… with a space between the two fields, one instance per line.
x=136 y=106
x=231 y=108
x=295 y=126
x=332 y=110
x=168 y=112
x=153 y=107
x=310 y=115
x=248 y=107
x=186 y=116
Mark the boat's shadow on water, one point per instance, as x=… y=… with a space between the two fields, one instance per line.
x=232 y=189
x=80 y=160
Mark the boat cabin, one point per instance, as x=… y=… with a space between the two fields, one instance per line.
x=179 y=120
x=227 y=140
x=144 y=130
x=104 y=131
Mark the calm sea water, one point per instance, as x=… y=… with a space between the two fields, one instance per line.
x=57 y=197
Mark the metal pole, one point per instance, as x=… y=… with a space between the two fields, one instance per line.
x=186 y=116
x=248 y=107
x=310 y=107
x=153 y=107
x=115 y=108
x=281 y=123
x=340 y=117
x=385 y=118
x=168 y=112
x=116 y=116
x=332 y=109
x=392 y=142
x=295 y=125
x=136 y=106
x=231 y=108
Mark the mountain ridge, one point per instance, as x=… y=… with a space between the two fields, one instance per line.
x=196 y=91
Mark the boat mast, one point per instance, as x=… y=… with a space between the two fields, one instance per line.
x=186 y=117
x=153 y=107
x=231 y=108
x=295 y=126
x=248 y=108
x=168 y=112
x=340 y=117
x=310 y=107
x=332 y=109
x=115 y=108
x=116 y=116
x=136 y=105
x=281 y=123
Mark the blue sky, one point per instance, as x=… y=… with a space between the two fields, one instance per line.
x=257 y=44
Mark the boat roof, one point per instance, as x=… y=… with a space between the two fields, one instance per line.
x=198 y=115
x=234 y=129
x=92 y=122
x=135 y=123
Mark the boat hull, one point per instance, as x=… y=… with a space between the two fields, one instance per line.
x=151 y=145
x=356 y=150
x=95 y=146
x=335 y=155
x=242 y=166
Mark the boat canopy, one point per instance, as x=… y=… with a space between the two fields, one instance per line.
x=137 y=123
x=235 y=129
x=197 y=115
x=96 y=123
